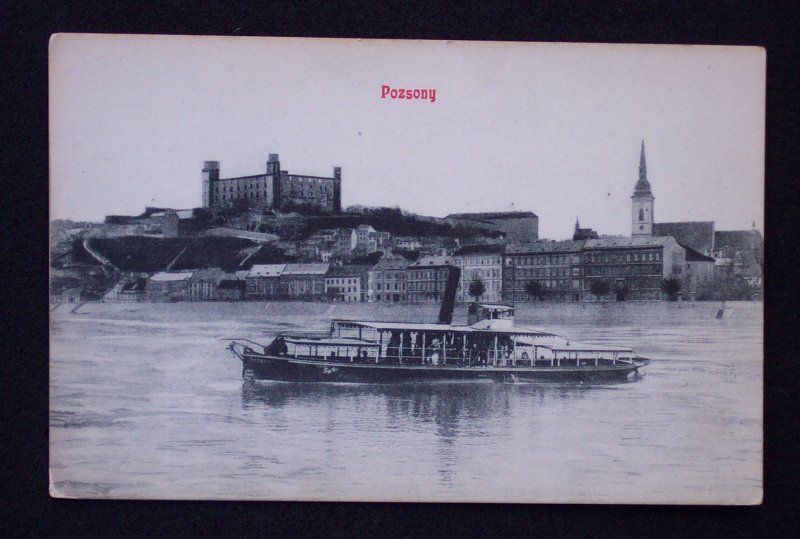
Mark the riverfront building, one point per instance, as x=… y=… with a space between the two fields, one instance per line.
x=633 y=268
x=426 y=279
x=303 y=281
x=387 y=280
x=699 y=271
x=168 y=286
x=203 y=284
x=346 y=283
x=231 y=289
x=484 y=263
x=275 y=189
x=262 y=281
x=554 y=266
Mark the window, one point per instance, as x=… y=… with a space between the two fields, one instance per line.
x=641 y=214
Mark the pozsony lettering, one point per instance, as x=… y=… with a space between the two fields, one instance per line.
x=426 y=94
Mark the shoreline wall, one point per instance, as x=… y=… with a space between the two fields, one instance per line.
x=527 y=313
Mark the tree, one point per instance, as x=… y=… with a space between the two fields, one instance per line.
x=599 y=288
x=333 y=293
x=671 y=286
x=621 y=290
x=202 y=215
x=722 y=289
x=369 y=259
x=534 y=289
x=477 y=288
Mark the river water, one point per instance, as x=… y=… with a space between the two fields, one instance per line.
x=146 y=403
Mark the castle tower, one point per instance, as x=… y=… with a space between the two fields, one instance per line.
x=642 y=202
x=273 y=164
x=337 y=189
x=210 y=175
x=274 y=178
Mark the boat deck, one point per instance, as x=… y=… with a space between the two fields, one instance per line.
x=605 y=365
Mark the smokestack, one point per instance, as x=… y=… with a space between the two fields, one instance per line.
x=449 y=297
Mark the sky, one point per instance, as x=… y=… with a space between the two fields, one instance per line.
x=550 y=128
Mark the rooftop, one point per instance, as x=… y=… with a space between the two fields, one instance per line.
x=694 y=256
x=163 y=276
x=699 y=235
x=433 y=260
x=347 y=271
x=545 y=246
x=266 y=270
x=748 y=239
x=387 y=263
x=207 y=273
x=638 y=241
x=312 y=268
x=492 y=215
x=480 y=249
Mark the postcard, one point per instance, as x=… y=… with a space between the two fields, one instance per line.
x=413 y=271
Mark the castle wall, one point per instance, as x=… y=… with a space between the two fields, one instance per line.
x=313 y=191
x=276 y=189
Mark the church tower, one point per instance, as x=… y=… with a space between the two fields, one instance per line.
x=642 y=203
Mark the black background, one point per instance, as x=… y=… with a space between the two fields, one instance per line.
x=27 y=508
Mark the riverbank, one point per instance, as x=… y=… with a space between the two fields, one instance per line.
x=613 y=313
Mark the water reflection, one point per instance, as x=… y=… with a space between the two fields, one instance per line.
x=446 y=414
x=423 y=402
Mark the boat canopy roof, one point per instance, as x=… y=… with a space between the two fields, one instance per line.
x=327 y=341
x=404 y=326
x=583 y=347
x=417 y=326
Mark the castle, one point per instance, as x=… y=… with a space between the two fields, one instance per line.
x=276 y=189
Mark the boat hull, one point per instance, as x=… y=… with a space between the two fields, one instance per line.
x=279 y=368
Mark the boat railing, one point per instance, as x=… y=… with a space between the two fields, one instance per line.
x=370 y=353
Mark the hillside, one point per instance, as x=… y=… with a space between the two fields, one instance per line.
x=139 y=253
x=148 y=254
x=395 y=222
x=225 y=253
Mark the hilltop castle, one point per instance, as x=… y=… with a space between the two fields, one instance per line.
x=276 y=189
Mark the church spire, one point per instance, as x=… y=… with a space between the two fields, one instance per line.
x=642 y=202
x=642 y=165
x=642 y=188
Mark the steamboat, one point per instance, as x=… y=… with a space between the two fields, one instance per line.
x=490 y=347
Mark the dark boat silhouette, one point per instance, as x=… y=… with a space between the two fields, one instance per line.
x=489 y=347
